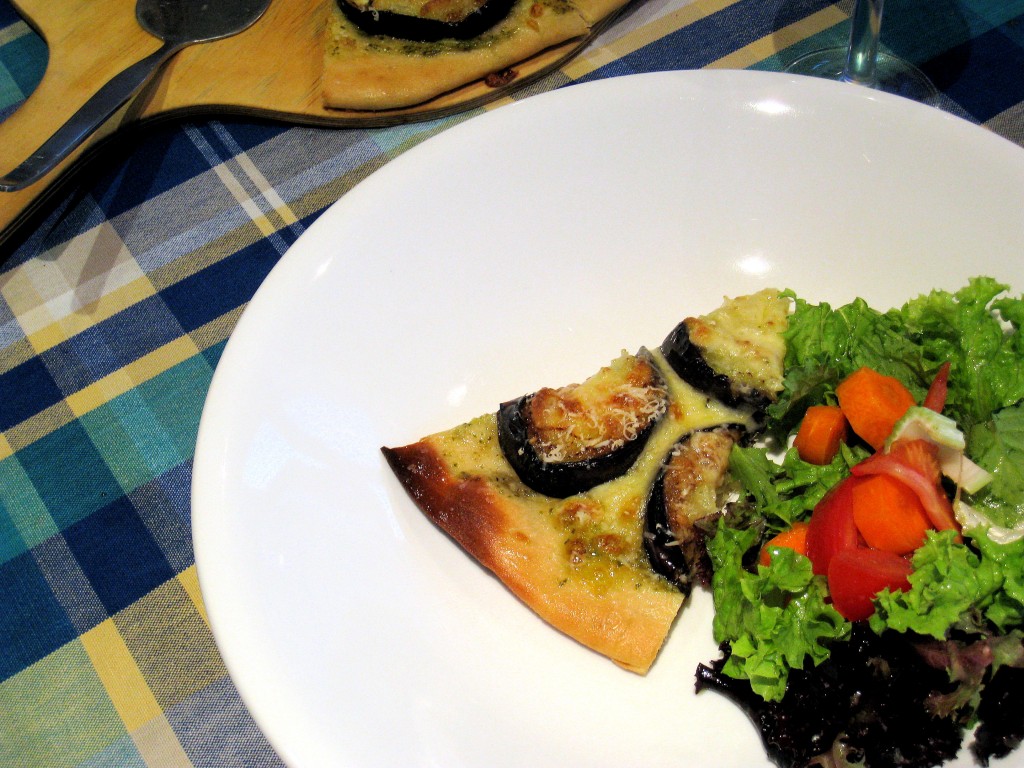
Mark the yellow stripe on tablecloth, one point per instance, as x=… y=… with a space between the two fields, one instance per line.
x=105 y=307
x=120 y=381
x=745 y=57
x=189 y=579
x=135 y=703
x=132 y=698
x=222 y=169
x=14 y=354
x=159 y=746
x=218 y=329
x=36 y=427
x=234 y=186
x=780 y=39
x=42 y=293
x=255 y=175
x=267 y=189
x=130 y=376
x=13 y=32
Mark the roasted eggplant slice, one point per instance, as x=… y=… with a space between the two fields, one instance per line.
x=736 y=353
x=685 y=493
x=428 y=21
x=565 y=441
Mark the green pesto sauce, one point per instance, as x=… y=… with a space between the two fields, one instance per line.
x=450 y=45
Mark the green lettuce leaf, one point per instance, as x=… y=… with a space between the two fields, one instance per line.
x=781 y=493
x=775 y=618
x=978 y=334
x=951 y=586
x=972 y=329
x=998 y=446
x=1007 y=607
x=955 y=588
x=824 y=345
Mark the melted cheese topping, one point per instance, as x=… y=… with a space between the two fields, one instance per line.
x=743 y=339
x=598 y=416
x=601 y=529
x=580 y=562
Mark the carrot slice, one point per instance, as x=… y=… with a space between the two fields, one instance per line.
x=794 y=537
x=889 y=515
x=929 y=492
x=873 y=403
x=821 y=432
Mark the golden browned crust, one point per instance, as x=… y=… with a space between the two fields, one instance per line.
x=626 y=620
x=462 y=508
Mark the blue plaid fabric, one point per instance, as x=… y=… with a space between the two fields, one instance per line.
x=116 y=304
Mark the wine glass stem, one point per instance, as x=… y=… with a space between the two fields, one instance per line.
x=865 y=28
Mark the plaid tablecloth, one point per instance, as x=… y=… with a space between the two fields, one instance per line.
x=114 y=312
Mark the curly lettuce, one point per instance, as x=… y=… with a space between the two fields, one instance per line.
x=777 y=617
x=952 y=586
x=774 y=618
x=972 y=329
x=942 y=656
x=778 y=494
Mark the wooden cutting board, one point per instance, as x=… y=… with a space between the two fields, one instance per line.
x=270 y=70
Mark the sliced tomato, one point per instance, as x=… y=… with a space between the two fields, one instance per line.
x=905 y=462
x=832 y=528
x=936 y=397
x=856 y=576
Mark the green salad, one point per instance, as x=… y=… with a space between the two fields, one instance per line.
x=939 y=651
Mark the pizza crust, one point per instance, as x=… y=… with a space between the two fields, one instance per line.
x=515 y=533
x=373 y=72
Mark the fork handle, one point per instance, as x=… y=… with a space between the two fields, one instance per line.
x=100 y=107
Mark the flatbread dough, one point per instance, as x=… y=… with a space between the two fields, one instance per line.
x=374 y=72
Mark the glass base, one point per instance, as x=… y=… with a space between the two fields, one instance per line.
x=893 y=74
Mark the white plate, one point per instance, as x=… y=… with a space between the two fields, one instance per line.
x=522 y=248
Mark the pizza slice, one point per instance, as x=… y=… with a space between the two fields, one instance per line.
x=390 y=54
x=587 y=501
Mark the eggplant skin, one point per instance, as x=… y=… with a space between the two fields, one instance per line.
x=736 y=353
x=559 y=479
x=689 y=363
x=664 y=553
x=565 y=441
x=683 y=499
x=426 y=30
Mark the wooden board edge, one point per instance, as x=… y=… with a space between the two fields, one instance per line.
x=466 y=98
